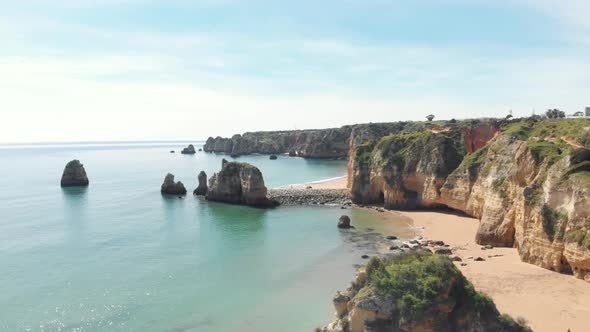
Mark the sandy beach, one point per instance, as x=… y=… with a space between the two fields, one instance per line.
x=335 y=183
x=549 y=301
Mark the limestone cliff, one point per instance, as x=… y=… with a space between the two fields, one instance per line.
x=416 y=292
x=405 y=171
x=323 y=143
x=529 y=186
x=239 y=183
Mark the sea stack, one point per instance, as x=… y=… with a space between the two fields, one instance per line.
x=169 y=187
x=74 y=175
x=239 y=183
x=190 y=149
x=202 y=188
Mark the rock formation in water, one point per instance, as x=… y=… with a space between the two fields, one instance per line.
x=74 y=175
x=239 y=183
x=190 y=149
x=170 y=187
x=344 y=222
x=529 y=186
x=416 y=292
x=202 y=187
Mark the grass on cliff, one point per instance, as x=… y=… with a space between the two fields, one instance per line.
x=544 y=137
x=552 y=220
x=416 y=283
x=406 y=149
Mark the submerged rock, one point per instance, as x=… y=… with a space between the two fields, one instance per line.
x=74 y=175
x=190 y=149
x=239 y=183
x=202 y=188
x=273 y=157
x=170 y=187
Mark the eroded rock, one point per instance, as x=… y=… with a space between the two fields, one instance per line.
x=74 y=175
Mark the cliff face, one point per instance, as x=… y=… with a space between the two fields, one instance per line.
x=415 y=292
x=239 y=183
x=529 y=191
x=536 y=205
x=405 y=171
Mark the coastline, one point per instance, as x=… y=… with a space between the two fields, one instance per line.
x=548 y=300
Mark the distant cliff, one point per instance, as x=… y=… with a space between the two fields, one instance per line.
x=322 y=143
x=333 y=143
x=529 y=183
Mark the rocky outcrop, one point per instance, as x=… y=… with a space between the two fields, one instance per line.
x=169 y=187
x=202 y=187
x=415 y=292
x=405 y=171
x=537 y=205
x=530 y=192
x=190 y=149
x=74 y=175
x=239 y=183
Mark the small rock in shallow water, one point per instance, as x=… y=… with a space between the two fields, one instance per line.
x=463 y=264
x=273 y=157
x=391 y=237
x=393 y=248
x=344 y=222
x=365 y=256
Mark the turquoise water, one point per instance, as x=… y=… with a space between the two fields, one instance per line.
x=118 y=256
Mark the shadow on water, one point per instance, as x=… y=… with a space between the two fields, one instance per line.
x=75 y=201
x=235 y=220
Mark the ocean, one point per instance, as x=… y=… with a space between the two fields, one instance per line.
x=119 y=256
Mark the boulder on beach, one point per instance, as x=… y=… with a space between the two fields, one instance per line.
x=74 y=175
x=202 y=187
x=344 y=222
x=169 y=187
x=239 y=183
x=190 y=149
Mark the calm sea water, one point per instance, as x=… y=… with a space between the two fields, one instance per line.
x=118 y=256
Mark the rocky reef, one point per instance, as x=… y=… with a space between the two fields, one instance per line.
x=239 y=183
x=528 y=182
x=417 y=291
x=169 y=187
x=202 y=187
x=74 y=175
x=190 y=149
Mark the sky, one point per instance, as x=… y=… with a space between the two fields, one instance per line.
x=82 y=70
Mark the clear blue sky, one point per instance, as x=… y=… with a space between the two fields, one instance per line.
x=137 y=69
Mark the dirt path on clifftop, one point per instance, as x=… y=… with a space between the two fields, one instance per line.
x=549 y=301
